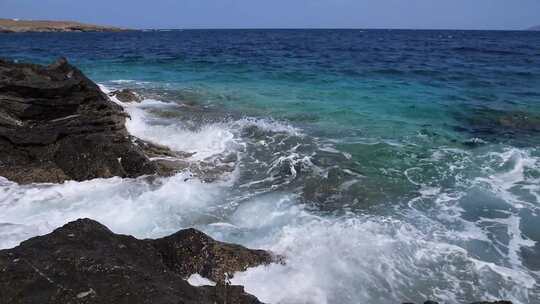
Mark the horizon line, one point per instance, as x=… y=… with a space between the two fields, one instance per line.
x=325 y=28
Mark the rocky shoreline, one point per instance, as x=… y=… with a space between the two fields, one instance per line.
x=57 y=125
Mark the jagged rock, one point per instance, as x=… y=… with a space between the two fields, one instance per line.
x=191 y=251
x=84 y=262
x=125 y=95
x=57 y=125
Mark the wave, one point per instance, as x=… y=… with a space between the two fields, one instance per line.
x=363 y=259
x=131 y=206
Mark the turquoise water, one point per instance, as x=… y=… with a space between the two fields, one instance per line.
x=388 y=166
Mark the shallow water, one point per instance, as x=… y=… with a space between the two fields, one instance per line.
x=387 y=166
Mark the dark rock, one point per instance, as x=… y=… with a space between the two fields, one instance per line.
x=126 y=96
x=57 y=125
x=84 y=262
x=191 y=251
x=155 y=150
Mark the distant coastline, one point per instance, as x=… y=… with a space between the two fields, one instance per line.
x=23 y=26
x=534 y=28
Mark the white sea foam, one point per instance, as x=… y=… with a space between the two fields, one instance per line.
x=349 y=259
x=268 y=125
x=197 y=280
x=507 y=172
x=206 y=141
x=132 y=206
x=361 y=259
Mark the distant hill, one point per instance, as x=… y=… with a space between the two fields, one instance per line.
x=20 y=26
x=535 y=28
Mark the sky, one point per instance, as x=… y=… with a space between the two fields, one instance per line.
x=417 y=14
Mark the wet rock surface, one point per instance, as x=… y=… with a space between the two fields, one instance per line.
x=57 y=125
x=191 y=251
x=126 y=95
x=84 y=262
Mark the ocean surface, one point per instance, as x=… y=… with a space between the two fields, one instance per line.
x=386 y=165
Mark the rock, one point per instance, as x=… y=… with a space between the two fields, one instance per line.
x=57 y=125
x=155 y=150
x=126 y=96
x=191 y=251
x=84 y=262
x=474 y=142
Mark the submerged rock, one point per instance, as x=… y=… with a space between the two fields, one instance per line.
x=496 y=125
x=84 y=262
x=57 y=125
x=125 y=95
x=483 y=302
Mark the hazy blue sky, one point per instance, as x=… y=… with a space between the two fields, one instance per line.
x=459 y=14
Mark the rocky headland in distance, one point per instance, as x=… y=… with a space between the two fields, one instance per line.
x=22 y=26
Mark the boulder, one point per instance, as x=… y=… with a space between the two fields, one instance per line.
x=57 y=125
x=84 y=262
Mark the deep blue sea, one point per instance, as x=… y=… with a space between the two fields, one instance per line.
x=387 y=166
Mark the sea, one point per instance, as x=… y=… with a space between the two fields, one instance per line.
x=386 y=166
